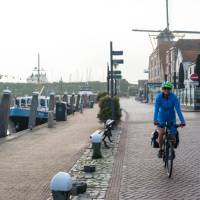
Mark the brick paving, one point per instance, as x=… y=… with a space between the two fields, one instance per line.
x=141 y=173
x=28 y=162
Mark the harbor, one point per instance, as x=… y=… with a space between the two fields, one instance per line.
x=99 y=100
x=29 y=159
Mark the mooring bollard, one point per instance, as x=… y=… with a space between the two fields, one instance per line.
x=72 y=103
x=85 y=101
x=51 y=110
x=78 y=102
x=33 y=111
x=50 y=119
x=52 y=101
x=81 y=108
x=61 y=185
x=96 y=139
x=65 y=97
x=4 y=112
x=91 y=101
x=81 y=104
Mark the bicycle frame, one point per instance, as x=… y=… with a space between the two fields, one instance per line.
x=169 y=153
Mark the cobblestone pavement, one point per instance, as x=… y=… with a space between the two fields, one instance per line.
x=139 y=174
x=27 y=163
x=97 y=182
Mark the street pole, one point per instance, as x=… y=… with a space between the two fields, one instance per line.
x=108 y=79
x=174 y=80
x=115 y=87
x=111 y=77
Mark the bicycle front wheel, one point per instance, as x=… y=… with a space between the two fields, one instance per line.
x=169 y=157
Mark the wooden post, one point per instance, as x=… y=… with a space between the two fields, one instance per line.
x=52 y=102
x=78 y=102
x=33 y=111
x=65 y=97
x=4 y=112
x=51 y=110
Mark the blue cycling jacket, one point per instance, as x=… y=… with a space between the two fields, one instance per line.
x=165 y=109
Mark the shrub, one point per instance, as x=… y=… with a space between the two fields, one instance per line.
x=100 y=95
x=105 y=111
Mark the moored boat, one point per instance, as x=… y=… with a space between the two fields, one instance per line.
x=20 y=112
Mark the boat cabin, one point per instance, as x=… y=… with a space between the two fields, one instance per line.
x=25 y=102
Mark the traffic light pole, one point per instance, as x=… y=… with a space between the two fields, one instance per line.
x=111 y=77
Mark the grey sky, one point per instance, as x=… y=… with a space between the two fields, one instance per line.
x=73 y=36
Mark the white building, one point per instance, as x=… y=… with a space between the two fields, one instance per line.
x=37 y=78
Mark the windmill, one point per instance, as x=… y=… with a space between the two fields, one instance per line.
x=164 y=37
x=166 y=34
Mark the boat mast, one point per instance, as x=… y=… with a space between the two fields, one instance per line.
x=38 y=68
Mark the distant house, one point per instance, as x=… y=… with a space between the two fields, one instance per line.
x=142 y=89
x=179 y=58
x=176 y=61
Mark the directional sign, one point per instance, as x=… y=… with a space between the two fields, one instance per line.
x=117 y=53
x=116 y=72
x=116 y=76
x=119 y=61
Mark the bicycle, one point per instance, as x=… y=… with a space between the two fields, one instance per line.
x=168 y=147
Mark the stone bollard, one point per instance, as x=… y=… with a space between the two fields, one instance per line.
x=96 y=139
x=91 y=101
x=4 y=112
x=81 y=108
x=81 y=104
x=61 y=185
x=72 y=100
x=33 y=111
x=51 y=110
x=52 y=101
x=78 y=102
x=50 y=119
x=85 y=101
x=65 y=97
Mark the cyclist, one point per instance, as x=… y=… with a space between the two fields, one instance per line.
x=164 y=112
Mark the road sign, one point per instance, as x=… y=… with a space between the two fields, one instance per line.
x=116 y=76
x=194 y=77
x=119 y=61
x=116 y=72
x=146 y=71
x=117 y=53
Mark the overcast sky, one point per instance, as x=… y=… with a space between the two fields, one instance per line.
x=73 y=36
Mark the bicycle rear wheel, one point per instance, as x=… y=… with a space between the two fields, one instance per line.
x=169 y=157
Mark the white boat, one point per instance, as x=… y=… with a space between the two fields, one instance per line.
x=20 y=112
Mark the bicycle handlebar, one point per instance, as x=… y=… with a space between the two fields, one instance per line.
x=168 y=126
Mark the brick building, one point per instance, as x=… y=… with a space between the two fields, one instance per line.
x=169 y=56
x=157 y=62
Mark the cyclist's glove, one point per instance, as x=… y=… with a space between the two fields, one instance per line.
x=182 y=124
x=155 y=123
